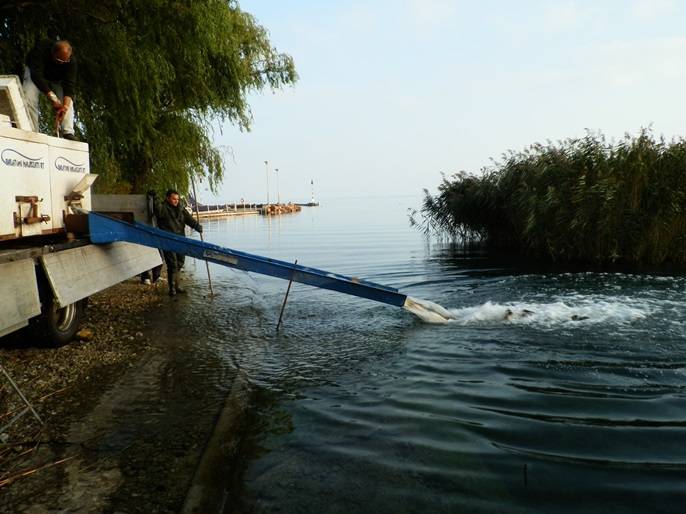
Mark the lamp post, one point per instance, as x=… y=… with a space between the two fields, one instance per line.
x=278 y=194
x=266 y=165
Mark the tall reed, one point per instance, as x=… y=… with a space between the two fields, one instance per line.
x=577 y=200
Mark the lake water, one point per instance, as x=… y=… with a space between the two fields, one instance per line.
x=574 y=400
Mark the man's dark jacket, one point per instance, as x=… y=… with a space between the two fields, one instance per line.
x=173 y=219
x=45 y=70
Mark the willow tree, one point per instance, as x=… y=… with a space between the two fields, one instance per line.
x=154 y=75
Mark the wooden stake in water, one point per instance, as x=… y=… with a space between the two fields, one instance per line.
x=197 y=218
x=285 y=299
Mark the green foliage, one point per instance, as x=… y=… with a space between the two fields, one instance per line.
x=578 y=200
x=153 y=75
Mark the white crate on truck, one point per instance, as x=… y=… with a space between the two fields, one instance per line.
x=69 y=163
x=25 y=171
x=49 y=168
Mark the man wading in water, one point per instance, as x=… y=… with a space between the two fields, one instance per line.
x=173 y=217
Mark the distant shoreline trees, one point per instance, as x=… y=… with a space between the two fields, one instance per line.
x=153 y=76
x=575 y=201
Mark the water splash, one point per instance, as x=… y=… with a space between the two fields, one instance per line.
x=588 y=311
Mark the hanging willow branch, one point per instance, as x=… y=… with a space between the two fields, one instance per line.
x=153 y=79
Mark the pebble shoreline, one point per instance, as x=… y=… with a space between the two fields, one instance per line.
x=115 y=318
x=62 y=384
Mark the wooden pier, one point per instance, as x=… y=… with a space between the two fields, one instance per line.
x=227 y=210
x=242 y=209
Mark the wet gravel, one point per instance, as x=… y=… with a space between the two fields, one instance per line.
x=90 y=395
x=111 y=337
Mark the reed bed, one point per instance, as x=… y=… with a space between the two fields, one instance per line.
x=578 y=200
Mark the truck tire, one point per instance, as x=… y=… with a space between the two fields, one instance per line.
x=59 y=325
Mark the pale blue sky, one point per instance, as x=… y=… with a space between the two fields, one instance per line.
x=392 y=93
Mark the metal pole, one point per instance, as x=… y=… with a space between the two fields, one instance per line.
x=285 y=299
x=278 y=193
x=266 y=165
x=21 y=395
x=197 y=217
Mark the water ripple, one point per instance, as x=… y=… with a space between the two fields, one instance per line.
x=552 y=391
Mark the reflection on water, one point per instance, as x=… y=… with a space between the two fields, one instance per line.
x=573 y=402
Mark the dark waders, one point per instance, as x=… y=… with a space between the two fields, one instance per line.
x=174 y=264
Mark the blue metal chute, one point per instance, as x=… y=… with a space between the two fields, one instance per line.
x=104 y=229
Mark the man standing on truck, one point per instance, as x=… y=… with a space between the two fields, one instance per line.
x=173 y=217
x=51 y=70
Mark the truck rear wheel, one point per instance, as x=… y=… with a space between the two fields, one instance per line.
x=60 y=324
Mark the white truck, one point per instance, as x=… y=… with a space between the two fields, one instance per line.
x=48 y=267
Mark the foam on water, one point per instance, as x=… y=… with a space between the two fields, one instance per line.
x=571 y=311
